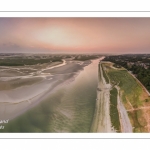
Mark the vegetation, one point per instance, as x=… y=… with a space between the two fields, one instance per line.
x=132 y=96
x=18 y=61
x=138 y=121
x=128 y=85
x=33 y=59
x=113 y=110
x=104 y=74
x=116 y=65
x=138 y=64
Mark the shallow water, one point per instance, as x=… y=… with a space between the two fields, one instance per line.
x=68 y=109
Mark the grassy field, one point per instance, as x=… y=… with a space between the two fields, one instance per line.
x=129 y=86
x=113 y=110
x=133 y=96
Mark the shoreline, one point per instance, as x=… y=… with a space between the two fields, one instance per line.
x=101 y=120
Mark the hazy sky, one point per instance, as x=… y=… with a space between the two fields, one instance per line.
x=77 y=35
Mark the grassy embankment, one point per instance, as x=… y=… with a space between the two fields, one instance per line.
x=133 y=97
x=113 y=110
x=104 y=74
x=113 y=103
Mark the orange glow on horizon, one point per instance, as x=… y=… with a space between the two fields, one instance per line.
x=77 y=34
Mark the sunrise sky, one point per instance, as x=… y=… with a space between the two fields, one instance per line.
x=75 y=35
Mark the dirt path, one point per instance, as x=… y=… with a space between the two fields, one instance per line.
x=123 y=116
x=144 y=107
x=102 y=122
x=124 y=119
x=130 y=105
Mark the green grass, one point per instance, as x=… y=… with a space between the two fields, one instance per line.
x=113 y=110
x=128 y=85
x=130 y=91
x=99 y=72
x=104 y=74
x=138 y=122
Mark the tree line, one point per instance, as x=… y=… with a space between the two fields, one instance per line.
x=141 y=73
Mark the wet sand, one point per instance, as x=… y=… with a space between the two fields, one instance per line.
x=69 y=107
x=101 y=121
x=18 y=93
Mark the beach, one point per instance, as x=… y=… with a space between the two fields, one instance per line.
x=101 y=120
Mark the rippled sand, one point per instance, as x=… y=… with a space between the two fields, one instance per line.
x=21 y=88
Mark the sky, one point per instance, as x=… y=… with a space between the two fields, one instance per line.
x=75 y=35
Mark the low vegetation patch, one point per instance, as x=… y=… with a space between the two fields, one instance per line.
x=104 y=74
x=113 y=110
x=18 y=61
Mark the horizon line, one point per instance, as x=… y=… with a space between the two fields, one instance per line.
x=67 y=53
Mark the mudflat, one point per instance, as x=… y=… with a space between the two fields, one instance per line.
x=21 y=88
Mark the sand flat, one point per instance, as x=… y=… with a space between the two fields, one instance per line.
x=18 y=100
